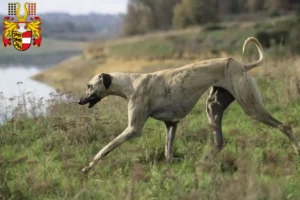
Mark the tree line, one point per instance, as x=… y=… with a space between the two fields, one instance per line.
x=148 y=15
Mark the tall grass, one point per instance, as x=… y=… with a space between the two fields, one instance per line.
x=41 y=155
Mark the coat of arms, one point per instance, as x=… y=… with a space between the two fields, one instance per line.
x=20 y=32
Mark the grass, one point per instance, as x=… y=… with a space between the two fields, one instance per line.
x=154 y=47
x=214 y=39
x=194 y=44
x=41 y=156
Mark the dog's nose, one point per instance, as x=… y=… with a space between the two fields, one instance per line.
x=80 y=101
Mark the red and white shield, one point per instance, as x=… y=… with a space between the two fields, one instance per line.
x=22 y=40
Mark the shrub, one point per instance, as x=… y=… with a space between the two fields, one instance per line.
x=274 y=14
x=214 y=27
x=278 y=37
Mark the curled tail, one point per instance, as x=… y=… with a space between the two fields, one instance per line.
x=260 y=51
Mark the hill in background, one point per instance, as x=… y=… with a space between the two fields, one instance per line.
x=80 y=27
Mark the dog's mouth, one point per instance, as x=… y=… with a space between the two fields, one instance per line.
x=93 y=100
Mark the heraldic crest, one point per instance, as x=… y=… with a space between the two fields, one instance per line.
x=19 y=31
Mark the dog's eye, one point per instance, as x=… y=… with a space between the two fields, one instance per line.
x=89 y=86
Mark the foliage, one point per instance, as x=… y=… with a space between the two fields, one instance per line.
x=255 y=5
x=211 y=40
x=149 y=15
x=284 y=33
x=180 y=20
x=278 y=37
x=193 y=12
x=274 y=13
x=214 y=27
x=277 y=5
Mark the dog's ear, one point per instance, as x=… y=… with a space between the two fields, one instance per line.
x=107 y=79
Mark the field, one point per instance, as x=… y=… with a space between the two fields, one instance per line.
x=41 y=156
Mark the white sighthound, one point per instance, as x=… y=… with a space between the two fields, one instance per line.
x=169 y=95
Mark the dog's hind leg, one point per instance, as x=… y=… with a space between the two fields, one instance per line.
x=217 y=102
x=170 y=137
x=251 y=102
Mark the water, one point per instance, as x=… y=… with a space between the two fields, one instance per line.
x=16 y=86
x=15 y=81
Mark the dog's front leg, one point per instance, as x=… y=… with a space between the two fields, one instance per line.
x=128 y=133
x=137 y=117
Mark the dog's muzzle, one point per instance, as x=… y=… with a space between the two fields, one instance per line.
x=93 y=100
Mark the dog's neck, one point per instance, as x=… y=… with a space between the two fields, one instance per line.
x=122 y=84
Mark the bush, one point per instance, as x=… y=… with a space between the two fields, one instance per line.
x=274 y=14
x=194 y=12
x=214 y=27
x=278 y=37
x=294 y=38
x=179 y=20
x=298 y=12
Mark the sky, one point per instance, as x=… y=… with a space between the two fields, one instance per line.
x=72 y=6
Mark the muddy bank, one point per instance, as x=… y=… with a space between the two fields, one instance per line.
x=68 y=74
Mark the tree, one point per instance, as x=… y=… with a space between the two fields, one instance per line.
x=194 y=12
x=166 y=12
x=147 y=15
x=277 y=5
x=255 y=5
x=234 y=6
x=180 y=17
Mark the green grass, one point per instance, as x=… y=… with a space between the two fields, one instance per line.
x=196 y=43
x=154 y=47
x=41 y=158
x=202 y=40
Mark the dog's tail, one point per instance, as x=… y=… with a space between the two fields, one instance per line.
x=260 y=51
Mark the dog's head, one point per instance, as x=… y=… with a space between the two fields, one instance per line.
x=97 y=89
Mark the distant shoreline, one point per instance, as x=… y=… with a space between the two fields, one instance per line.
x=41 y=60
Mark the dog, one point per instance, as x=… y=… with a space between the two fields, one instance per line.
x=169 y=95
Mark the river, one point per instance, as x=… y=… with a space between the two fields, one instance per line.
x=17 y=86
x=15 y=81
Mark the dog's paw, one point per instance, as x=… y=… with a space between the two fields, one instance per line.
x=85 y=170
